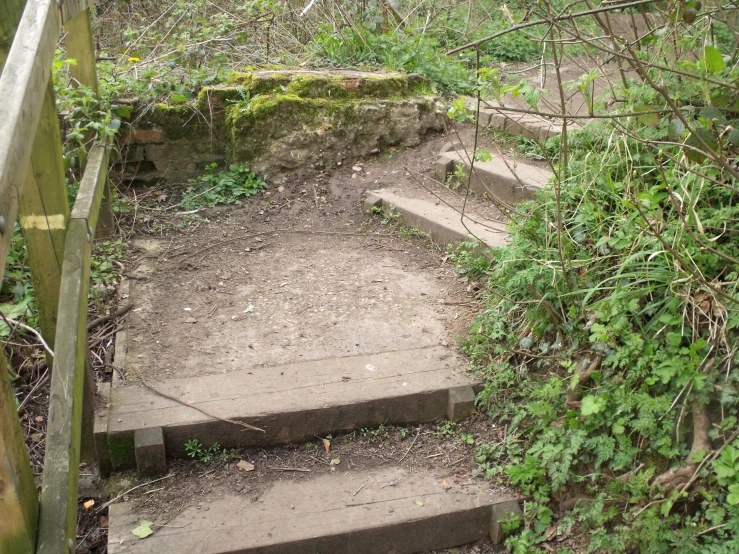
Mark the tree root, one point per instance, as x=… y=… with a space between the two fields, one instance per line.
x=584 y=373
x=679 y=477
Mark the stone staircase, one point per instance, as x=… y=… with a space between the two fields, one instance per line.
x=397 y=370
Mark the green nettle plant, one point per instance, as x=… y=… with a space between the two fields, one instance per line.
x=608 y=342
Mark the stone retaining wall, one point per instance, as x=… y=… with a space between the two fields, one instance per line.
x=278 y=123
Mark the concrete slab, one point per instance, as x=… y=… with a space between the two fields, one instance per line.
x=439 y=220
x=507 y=180
x=292 y=403
x=387 y=510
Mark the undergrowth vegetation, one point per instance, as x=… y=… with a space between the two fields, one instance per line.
x=608 y=342
x=168 y=53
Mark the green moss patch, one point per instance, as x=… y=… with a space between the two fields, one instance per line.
x=178 y=121
x=122 y=451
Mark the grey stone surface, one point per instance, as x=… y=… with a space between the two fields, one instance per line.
x=441 y=221
x=508 y=180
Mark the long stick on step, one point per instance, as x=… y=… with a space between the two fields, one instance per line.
x=225 y=419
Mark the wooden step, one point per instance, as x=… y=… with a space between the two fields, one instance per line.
x=358 y=512
x=509 y=180
x=439 y=220
x=293 y=402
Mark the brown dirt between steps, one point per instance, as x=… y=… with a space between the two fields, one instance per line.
x=436 y=448
x=317 y=289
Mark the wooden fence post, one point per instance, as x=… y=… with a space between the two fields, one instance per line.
x=18 y=499
x=43 y=207
x=44 y=213
x=81 y=47
x=61 y=478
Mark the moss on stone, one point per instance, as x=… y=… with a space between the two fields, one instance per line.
x=218 y=95
x=253 y=125
x=383 y=86
x=179 y=121
x=259 y=84
x=309 y=86
x=282 y=106
x=172 y=119
x=122 y=451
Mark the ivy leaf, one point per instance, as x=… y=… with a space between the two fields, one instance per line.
x=698 y=456
x=650 y=119
x=712 y=60
x=483 y=156
x=712 y=114
x=592 y=405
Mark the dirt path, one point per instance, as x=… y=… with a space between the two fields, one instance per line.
x=301 y=275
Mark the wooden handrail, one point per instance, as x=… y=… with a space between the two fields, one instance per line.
x=31 y=168
x=58 y=518
x=22 y=90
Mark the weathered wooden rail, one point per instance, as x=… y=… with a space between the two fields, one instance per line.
x=33 y=186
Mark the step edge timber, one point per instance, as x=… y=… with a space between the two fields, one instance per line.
x=297 y=517
x=420 y=402
x=512 y=183
x=424 y=215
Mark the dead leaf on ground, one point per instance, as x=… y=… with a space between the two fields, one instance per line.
x=144 y=529
x=419 y=502
x=335 y=461
x=190 y=320
x=326 y=446
x=89 y=504
x=446 y=485
x=246 y=466
x=160 y=196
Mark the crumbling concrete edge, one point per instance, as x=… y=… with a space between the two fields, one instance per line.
x=501 y=511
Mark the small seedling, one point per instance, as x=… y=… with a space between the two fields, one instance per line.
x=195 y=450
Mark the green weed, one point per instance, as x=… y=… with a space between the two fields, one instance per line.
x=195 y=450
x=224 y=187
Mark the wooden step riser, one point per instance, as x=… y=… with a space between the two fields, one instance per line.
x=286 y=428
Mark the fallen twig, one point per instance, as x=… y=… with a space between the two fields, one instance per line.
x=411 y=446
x=224 y=419
x=117 y=498
x=123 y=310
x=31 y=330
